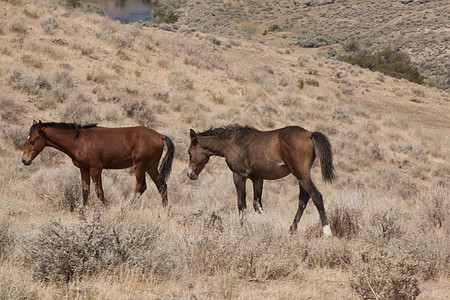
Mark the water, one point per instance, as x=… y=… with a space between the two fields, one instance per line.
x=126 y=11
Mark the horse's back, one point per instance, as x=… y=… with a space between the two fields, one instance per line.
x=132 y=134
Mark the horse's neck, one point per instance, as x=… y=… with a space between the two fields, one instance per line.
x=63 y=140
x=214 y=144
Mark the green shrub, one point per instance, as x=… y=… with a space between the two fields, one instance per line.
x=71 y=3
x=164 y=14
x=351 y=45
x=301 y=83
x=387 y=61
x=272 y=28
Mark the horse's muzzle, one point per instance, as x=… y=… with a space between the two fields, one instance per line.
x=191 y=174
x=27 y=162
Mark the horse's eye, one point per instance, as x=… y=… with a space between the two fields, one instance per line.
x=32 y=143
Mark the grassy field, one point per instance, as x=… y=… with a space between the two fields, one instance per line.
x=389 y=206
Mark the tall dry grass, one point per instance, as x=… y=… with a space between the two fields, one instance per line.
x=388 y=209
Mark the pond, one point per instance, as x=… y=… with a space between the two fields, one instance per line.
x=126 y=11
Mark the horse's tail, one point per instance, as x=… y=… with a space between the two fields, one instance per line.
x=322 y=147
x=166 y=165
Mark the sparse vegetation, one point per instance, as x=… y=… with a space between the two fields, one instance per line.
x=10 y=111
x=48 y=23
x=385 y=275
x=219 y=99
x=388 y=207
x=141 y=111
x=19 y=25
x=78 y=109
x=181 y=81
x=59 y=253
x=32 y=61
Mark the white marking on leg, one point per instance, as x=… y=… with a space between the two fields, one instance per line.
x=327 y=231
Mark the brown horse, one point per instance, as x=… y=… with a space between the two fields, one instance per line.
x=93 y=149
x=258 y=155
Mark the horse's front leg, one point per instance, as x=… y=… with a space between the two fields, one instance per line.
x=239 y=182
x=257 y=193
x=97 y=178
x=85 y=185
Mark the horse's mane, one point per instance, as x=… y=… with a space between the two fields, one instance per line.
x=75 y=128
x=227 y=132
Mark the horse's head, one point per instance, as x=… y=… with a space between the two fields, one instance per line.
x=35 y=143
x=198 y=157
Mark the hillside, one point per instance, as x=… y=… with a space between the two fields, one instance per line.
x=419 y=28
x=390 y=138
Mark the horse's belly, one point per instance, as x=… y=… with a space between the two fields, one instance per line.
x=118 y=163
x=273 y=171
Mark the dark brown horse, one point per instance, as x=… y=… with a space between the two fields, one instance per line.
x=258 y=155
x=93 y=149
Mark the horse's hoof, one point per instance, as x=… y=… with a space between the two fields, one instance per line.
x=327 y=231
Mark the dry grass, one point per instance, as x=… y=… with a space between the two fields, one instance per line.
x=390 y=153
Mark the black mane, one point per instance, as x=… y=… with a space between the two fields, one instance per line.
x=227 y=132
x=66 y=126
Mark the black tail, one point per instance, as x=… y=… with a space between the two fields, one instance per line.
x=166 y=165
x=322 y=147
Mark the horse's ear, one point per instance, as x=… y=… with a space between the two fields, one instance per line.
x=34 y=122
x=39 y=125
x=193 y=137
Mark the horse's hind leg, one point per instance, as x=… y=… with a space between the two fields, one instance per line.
x=257 y=193
x=302 y=201
x=316 y=196
x=162 y=188
x=141 y=186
